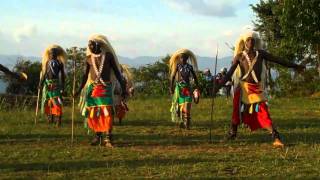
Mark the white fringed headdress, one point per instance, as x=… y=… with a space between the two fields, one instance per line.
x=175 y=59
x=62 y=57
x=240 y=44
x=106 y=47
x=239 y=48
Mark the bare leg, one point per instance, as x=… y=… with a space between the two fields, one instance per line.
x=180 y=115
x=187 y=115
x=49 y=119
x=97 y=139
x=58 y=121
x=275 y=136
x=108 y=139
x=232 y=133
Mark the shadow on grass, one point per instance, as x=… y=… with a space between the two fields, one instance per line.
x=168 y=123
x=30 y=122
x=22 y=138
x=289 y=139
x=146 y=123
x=305 y=138
x=296 y=123
x=86 y=165
x=295 y=131
x=182 y=138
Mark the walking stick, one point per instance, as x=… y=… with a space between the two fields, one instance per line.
x=213 y=93
x=73 y=92
x=37 y=107
x=38 y=99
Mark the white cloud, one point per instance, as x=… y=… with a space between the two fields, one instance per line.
x=24 y=32
x=130 y=36
x=217 y=8
x=228 y=33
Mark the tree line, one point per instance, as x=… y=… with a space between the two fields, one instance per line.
x=150 y=79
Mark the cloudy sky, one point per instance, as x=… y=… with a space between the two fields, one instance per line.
x=134 y=27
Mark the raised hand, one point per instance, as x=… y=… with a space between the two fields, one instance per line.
x=23 y=76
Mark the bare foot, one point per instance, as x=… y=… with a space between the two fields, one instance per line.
x=277 y=143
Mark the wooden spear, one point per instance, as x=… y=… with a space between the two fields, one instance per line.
x=73 y=92
x=213 y=93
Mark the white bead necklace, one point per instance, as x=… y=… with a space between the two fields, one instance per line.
x=97 y=71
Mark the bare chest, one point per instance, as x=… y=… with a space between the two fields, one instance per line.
x=100 y=69
x=249 y=65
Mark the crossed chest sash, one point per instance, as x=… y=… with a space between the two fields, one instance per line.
x=251 y=65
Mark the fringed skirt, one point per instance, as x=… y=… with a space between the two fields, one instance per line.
x=250 y=107
x=98 y=107
x=51 y=98
x=181 y=102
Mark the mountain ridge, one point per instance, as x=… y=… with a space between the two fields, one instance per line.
x=203 y=61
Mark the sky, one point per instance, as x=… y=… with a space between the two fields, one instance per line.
x=134 y=27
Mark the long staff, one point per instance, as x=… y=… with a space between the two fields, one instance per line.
x=213 y=93
x=37 y=107
x=73 y=92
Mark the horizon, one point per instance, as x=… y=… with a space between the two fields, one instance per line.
x=204 y=62
x=39 y=56
x=144 y=28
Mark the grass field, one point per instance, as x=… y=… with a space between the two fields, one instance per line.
x=148 y=145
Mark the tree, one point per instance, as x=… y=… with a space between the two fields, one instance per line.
x=33 y=71
x=300 y=24
x=153 y=78
x=79 y=55
x=26 y=87
x=290 y=31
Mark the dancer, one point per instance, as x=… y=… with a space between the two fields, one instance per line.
x=250 y=102
x=181 y=72
x=97 y=95
x=52 y=78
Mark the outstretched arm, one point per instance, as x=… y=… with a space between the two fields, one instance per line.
x=84 y=80
x=269 y=57
x=233 y=67
x=172 y=80
x=9 y=73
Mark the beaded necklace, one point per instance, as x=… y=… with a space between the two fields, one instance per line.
x=97 y=71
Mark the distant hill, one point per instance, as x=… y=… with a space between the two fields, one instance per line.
x=203 y=61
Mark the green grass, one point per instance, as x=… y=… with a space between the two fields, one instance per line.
x=148 y=145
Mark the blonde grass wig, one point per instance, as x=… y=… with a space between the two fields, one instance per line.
x=175 y=60
x=127 y=73
x=62 y=57
x=240 y=44
x=240 y=47
x=106 y=47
